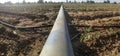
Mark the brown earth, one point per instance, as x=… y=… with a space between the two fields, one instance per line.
x=29 y=42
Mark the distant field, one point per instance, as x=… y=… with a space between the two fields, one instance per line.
x=93 y=7
x=101 y=38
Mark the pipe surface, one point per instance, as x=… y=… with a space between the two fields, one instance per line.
x=58 y=42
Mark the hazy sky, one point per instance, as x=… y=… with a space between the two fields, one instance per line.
x=14 y=1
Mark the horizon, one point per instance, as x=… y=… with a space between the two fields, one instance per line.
x=20 y=1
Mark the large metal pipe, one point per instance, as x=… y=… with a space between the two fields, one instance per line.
x=58 y=42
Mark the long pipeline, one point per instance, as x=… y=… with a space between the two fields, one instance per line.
x=58 y=42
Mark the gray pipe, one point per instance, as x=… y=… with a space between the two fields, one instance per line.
x=58 y=42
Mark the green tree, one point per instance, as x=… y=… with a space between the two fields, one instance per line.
x=114 y=2
x=90 y=1
x=108 y=1
x=40 y=1
x=8 y=3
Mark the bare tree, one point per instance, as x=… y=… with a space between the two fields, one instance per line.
x=24 y=2
x=40 y=1
x=66 y=1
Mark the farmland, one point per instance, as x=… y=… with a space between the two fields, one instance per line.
x=101 y=37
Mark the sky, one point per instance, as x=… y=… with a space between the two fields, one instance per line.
x=14 y=1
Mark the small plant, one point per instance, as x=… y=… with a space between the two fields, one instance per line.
x=2 y=29
x=117 y=34
x=16 y=31
x=97 y=34
x=0 y=24
x=111 y=31
x=86 y=34
x=82 y=37
x=88 y=29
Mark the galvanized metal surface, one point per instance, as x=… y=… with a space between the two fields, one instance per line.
x=58 y=42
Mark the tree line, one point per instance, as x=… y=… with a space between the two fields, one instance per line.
x=42 y=1
x=91 y=1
